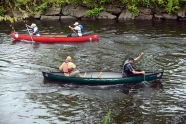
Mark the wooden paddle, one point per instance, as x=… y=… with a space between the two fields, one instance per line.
x=100 y=74
x=143 y=69
x=85 y=75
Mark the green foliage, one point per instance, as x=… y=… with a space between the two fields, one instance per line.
x=54 y=3
x=146 y=3
x=21 y=3
x=76 y=2
x=61 y=2
x=172 y=6
x=41 y=8
x=94 y=12
x=161 y=2
x=25 y=14
x=124 y=1
x=90 y=3
x=133 y=9
x=2 y=11
x=8 y=18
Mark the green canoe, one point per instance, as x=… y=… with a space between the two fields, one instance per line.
x=102 y=78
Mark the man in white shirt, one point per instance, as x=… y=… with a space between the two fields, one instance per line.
x=34 y=29
x=77 y=29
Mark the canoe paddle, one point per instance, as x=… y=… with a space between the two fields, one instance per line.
x=29 y=32
x=143 y=69
x=73 y=30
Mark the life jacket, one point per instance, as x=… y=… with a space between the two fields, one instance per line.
x=66 y=69
x=37 y=31
x=82 y=28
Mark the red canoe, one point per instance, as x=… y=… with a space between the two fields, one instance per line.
x=54 y=38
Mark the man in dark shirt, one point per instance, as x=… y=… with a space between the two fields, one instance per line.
x=128 y=70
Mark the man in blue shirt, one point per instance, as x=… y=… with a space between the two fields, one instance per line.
x=128 y=69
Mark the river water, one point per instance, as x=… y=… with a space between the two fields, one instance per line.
x=26 y=98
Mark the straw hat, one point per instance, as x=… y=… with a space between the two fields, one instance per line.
x=33 y=25
x=69 y=58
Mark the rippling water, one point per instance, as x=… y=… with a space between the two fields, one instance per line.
x=27 y=98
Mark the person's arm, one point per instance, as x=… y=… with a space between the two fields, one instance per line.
x=71 y=65
x=135 y=72
x=139 y=57
x=28 y=26
x=61 y=67
x=71 y=27
x=138 y=72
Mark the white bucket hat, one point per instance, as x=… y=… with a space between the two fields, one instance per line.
x=33 y=25
x=76 y=23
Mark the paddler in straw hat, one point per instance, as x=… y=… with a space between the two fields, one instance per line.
x=68 y=67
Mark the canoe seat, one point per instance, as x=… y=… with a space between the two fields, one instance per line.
x=100 y=74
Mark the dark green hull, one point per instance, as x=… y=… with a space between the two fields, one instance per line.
x=107 y=78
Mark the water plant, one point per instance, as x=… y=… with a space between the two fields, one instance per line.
x=107 y=117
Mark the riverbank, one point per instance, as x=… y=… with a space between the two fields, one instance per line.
x=109 y=12
x=71 y=12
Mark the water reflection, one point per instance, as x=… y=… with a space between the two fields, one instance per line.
x=93 y=101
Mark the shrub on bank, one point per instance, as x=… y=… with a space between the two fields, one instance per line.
x=2 y=11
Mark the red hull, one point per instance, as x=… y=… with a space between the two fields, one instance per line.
x=46 y=39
